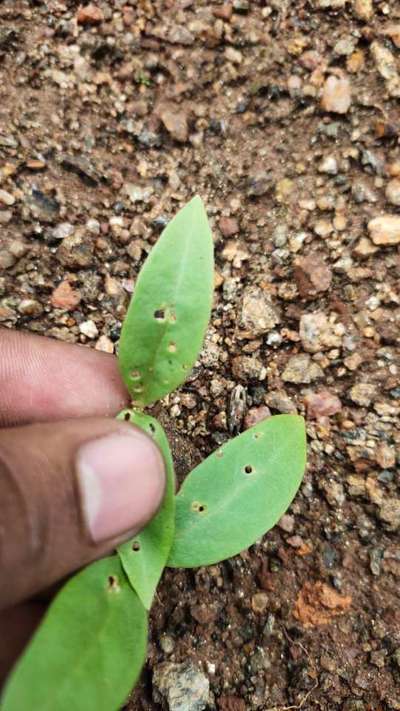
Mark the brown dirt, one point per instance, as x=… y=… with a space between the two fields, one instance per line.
x=174 y=98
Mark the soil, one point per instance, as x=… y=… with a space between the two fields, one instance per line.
x=284 y=117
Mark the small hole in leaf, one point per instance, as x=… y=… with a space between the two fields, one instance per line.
x=152 y=428
x=172 y=347
x=159 y=314
x=248 y=469
x=219 y=453
x=198 y=507
x=136 y=546
x=138 y=389
x=113 y=582
x=135 y=375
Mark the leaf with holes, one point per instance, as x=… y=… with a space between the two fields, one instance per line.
x=168 y=316
x=145 y=556
x=238 y=493
x=89 y=650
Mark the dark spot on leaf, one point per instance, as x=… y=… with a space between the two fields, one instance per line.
x=198 y=507
x=113 y=582
x=136 y=546
x=127 y=417
x=152 y=428
x=248 y=469
x=159 y=315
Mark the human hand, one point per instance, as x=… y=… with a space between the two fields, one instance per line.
x=73 y=483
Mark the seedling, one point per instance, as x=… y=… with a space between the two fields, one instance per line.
x=91 y=646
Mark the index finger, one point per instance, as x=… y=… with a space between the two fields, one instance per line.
x=42 y=380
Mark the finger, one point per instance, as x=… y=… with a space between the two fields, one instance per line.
x=17 y=626
x=69 y=491
x=42 y=379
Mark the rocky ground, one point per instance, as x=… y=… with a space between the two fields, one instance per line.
x=284 y=116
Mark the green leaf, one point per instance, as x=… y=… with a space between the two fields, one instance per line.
x=145 y=556
x=238 y=493
x=168 y=316
x=88 y=651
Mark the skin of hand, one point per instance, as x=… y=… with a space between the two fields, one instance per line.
x=74 y=482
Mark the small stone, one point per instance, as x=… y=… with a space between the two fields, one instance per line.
x=65 y=297
x=355 y=62
x=318 y=333
x=387 y=67
x=393 y=31
x=5 y=217
x=280 y=401
x=363 y=10
x=328 y=165
x=345 y=46
x=93 y=226
x=334 y=492
x=88 y=329
x=113 y=287
x=259 y=183
x=286 y=523
x=167 y=643
x=330 y=4
x=284 y=189
x=248 y=368
x=6 y=198
x=375 y=561
x=389 y=512
x=175 y=121
x=89 y=15
x=336 y=95
x=312 y=275
x=385 y=456
x=322 y=404
x=105 y=345
x=179 y=34
x=18 y=248
x=7 y=260
x=392 y=192
x=259 y=602
x=223 y=11
x=363 y=394
x=301 y=369
x=385 y=229
x=30 y=307
x=64 y=229
x=364 y=248
x=256 y=415
x=76 y=251
x=258 y=314
x=183 y=686
x=228 y=226
x=323 y=228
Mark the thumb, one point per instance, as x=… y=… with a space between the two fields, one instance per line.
x=69 y=492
